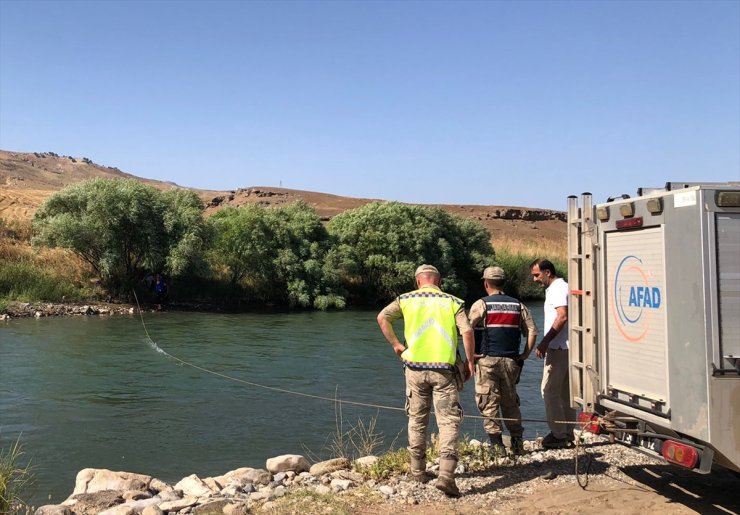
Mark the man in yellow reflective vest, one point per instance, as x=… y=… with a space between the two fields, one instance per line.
x=432 y=320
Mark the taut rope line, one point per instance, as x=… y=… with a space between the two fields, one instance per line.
x=308 y=395
x=250 y=383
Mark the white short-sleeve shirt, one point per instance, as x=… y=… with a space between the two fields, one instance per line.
x=556 y=295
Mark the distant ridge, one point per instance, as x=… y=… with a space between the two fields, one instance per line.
x=29 y=178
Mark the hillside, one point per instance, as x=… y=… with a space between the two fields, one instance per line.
x=27 y=179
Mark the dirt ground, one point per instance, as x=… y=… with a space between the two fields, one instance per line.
x=656 y=489
x=648 y=490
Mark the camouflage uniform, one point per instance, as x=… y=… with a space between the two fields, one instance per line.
x=496 y=378
x=427 y=387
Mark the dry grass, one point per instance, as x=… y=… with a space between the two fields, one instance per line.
x=59 y=262
x=30 y=275
x=550 y=249
x=65 y=263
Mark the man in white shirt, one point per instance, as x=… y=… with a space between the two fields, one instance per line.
x=554 y=349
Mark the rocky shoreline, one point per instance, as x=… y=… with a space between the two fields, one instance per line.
x=57 y=309
x=50 y=309
x=290 y=484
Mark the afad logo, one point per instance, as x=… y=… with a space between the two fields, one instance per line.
x=635 y=299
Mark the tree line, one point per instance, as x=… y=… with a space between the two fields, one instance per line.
x=281 y=256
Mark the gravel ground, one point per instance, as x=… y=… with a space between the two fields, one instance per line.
x=506 y=479
x=611 y=479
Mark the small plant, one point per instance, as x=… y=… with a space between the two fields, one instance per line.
x=433 y=449
x=389 y=463
x=13 y=479
x=360 y=439
x=309 y=502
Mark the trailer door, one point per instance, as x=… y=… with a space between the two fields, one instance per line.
x=728 y=266
x=636 y=316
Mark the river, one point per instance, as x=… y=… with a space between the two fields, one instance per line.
x=97 y=392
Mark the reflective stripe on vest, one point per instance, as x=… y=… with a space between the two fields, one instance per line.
x=502 y=336
x=429 y=328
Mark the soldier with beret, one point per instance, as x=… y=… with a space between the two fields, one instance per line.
x=500 y=321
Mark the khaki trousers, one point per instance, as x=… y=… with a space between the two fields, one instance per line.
x=424 y=388
x=556 y=392
x=495 y=388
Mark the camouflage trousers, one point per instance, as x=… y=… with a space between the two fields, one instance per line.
x=495 y=389
x=437 y=387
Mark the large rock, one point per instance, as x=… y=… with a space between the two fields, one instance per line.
x=243 y=476
x=121 y=509
x=236 y=509
x=53 y=509
x=328 y=466
x=140 y=504
x=286 y=462
x=339 y=485
x=180 y=504
x=367 y=461
x=94 y=503
x=157 y=485
x=96 y=480
x=195 y=486
x=210 y=508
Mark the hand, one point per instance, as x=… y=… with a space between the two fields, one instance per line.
x=476 y=357
x=541 y=350
x=398 y=348
x=469 y=369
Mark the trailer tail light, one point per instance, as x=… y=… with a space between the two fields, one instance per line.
x=680 y=454
x=629 y=223
x=589 y=422
x=654 y=206
x=728 y=199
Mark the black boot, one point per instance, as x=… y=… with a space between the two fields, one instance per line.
x=497 y=443
x=517 y=445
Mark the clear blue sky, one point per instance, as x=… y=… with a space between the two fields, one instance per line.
x=514 y=103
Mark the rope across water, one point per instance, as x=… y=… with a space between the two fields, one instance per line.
x=296 y=393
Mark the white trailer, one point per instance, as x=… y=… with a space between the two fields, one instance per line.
x=654 y=316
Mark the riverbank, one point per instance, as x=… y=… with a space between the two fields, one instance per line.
x=596 y=476
x=50 y=309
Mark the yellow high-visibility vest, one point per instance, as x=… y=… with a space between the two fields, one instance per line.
x=429 y=328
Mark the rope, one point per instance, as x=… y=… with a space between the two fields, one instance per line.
x=369 y=405
x=250 y=383
x=588 y=464
x=308 y=395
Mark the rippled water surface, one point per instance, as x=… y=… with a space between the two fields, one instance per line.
x=96 y=392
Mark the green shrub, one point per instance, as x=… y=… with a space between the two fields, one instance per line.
x=25 y=281
x=377 y=248
x=123 y=228
x=14 y=478
x=388 y=464
x=519 y=281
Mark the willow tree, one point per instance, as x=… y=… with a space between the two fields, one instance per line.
x=378 y=247
x=124 y=228
x=276 y=254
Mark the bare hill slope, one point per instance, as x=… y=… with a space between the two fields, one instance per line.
x=27 y=179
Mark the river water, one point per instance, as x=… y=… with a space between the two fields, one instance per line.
x=97 y=392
